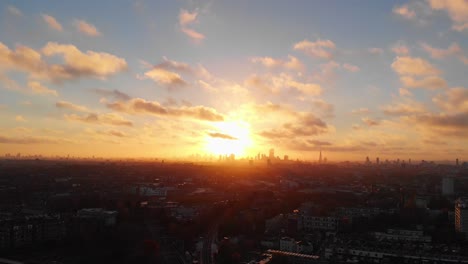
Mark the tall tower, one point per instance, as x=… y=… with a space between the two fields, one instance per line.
x=461 y=215
x=320 y=157
x=456 y=162
x=272 y=154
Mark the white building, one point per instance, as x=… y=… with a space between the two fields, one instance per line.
x=403 y=235
x=461 y=215
x=319 y=223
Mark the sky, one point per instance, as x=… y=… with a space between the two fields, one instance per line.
x=169 y=79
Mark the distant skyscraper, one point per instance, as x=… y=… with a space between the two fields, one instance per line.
x=320 y=157
x=367 y=160
x=461 y=215
x=272 y=154
x=377 y=160
x=447 y=186
x=456 y=162
x=286 y=157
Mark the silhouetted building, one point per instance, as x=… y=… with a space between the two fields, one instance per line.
x=272 y=154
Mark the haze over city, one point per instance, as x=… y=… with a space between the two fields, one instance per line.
x=177 y=78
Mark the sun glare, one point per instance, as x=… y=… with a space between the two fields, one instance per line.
x=229 y=138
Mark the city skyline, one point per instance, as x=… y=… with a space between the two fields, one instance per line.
x=170 y=78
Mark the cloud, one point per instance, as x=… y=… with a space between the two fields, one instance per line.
x=115 y=133
x=52 y=22
x=141 y=106
x=360 y=111
x=20 y=118
x=454 y=100
x=318 y=49
x=193 y=34
x=14 y=11
x=416 y=11
x=100 y=119
x=430 y=82
x=327 y=109
x=456 y=9
x=404 y=11
x=306 y=124
x=319 y=143
x=38 y=88
x=292 y=63
x=72 y=106
x=413 y=66
x=457 y=121
x=165 y=77
x=453 y=49
x=116 y=94
x=410 y=68
x=305 y=88
x=26 y=140
x=400 y=49
x=77 y=64
x=375 y=51
x=261 y=84
x=404 y=92
x=275 y=83
x=370 y=122
x=401 y=109
x=221 y=135
x=351 y=68
x=86 y=28
x=186 y=19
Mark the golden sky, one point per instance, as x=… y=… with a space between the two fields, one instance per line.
x=174 y=78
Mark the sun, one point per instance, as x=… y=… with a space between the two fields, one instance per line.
x=229 y=138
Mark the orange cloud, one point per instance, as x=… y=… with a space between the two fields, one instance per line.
x=370 y=122
x=86 y=28
x=456 y=9
x=221 y=135
x=186 y=19
x=431 y=82
x=408 y=108
x=304 y=125
x=52 y=22
x=77 y=64
x=400 y=49
x=413 y=66
x=165 y=77
x=71 y=106
x=141 y=106
x=100 y=119
x=351 y=68
x=38 y=88
x=319 y=49
x=454 y=100
x=20 y=118
x=292 y=63
x=404 y=11
x=436 y=53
